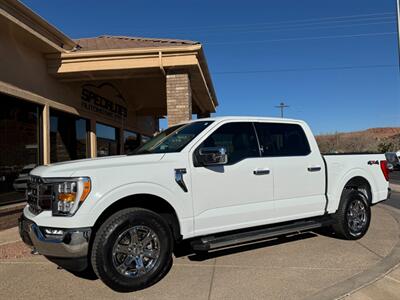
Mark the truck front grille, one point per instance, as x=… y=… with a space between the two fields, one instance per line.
x=38 y=195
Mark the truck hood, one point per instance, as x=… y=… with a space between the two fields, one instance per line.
x=78 y=167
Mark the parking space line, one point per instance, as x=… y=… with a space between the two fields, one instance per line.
x=212 y=279
x=393 y=279
x=373 y=252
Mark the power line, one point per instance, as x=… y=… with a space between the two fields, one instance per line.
x=243 y=29
x=306 y=69
x=279 y=22
x=305 y=27
x=301 y=38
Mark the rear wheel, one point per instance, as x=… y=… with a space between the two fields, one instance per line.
x=132 y=250
x=353 y=216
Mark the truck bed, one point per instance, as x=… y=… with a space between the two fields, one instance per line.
x=343 y=167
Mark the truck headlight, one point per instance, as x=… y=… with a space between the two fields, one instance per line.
x=69 y=194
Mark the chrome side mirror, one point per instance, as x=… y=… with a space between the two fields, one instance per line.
x=209 y=156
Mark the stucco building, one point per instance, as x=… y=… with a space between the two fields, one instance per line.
x=64 y=99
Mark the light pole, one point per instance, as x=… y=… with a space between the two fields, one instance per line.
x=282 y=106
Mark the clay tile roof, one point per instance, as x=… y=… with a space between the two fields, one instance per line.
x=107 y=42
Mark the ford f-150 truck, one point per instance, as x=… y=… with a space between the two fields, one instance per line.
x=209 y=183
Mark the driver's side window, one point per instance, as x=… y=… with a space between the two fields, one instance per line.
x=237 y=138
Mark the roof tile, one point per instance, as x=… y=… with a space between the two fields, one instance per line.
x=107 y=42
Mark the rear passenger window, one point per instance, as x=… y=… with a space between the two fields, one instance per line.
x=239 y=140
x=282 y=139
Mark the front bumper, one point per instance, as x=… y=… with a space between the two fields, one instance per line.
x=72 y=243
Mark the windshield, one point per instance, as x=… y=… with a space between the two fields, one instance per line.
x=173 y=139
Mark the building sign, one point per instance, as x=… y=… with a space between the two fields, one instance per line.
x=104 y=99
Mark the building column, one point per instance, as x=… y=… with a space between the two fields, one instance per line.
x=46 y=134
x=203 y=115
x=92 y=139
x=179 y=98
x=121 y=140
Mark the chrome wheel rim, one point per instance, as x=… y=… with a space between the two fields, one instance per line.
x=136 y=251
x=356 y=217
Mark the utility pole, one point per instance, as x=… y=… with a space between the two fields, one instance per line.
x=282 y=106
x=398 y=28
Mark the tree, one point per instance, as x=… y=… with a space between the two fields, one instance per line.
x=384 y=147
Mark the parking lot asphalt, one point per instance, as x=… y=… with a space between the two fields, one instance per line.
x=395 y=177
x=311 y=265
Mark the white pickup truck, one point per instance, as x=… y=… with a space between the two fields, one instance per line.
x=210 y=183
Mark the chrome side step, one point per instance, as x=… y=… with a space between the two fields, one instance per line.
x=253 y=234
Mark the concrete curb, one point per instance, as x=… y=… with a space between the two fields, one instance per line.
x=395 y=187
x=367 y=277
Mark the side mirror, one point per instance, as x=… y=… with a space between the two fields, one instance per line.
x=209 y=156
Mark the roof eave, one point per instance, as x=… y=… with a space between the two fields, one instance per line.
x=206 y=71
x=127 y=51
x=27 y=19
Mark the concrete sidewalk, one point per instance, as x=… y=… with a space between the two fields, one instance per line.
x=304 y=266
x=395 y=187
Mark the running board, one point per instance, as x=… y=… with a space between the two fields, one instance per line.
x=213 y=242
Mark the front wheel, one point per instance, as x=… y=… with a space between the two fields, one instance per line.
x=353 y=215
x=132 y=250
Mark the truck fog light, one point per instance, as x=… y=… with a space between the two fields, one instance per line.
x=53 y=231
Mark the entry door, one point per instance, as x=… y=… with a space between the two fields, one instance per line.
x=299 y=173
x=239 y=193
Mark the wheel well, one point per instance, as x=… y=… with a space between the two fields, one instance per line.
x=148 y=201
x=362 y=185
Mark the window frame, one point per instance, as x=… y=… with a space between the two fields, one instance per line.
x=138 y=135
x=58 y=113
x=22 y=106
x=213 y=130
x=282 y=123
x=117 y=138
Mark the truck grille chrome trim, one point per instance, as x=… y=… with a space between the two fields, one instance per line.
x=38 y=195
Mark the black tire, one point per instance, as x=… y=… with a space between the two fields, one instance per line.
x=345 y=226
x=116 y=232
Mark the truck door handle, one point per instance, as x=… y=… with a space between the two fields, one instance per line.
x=261 y=171
x=314 y=169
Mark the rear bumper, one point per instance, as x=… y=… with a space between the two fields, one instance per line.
x=70 y=244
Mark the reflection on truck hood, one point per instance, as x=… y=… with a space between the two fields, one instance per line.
x=78 y=167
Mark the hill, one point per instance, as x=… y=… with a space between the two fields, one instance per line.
x=370 y=140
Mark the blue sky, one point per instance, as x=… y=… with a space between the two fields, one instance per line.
x=335 y=63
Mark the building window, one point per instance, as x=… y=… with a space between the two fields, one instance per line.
x=131 y=141
x=68 y=137
x=19 y=141
x=107 y=140
x=145 y=139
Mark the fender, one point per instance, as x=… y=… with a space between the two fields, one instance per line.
x=98 y=206
x=335 y=192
